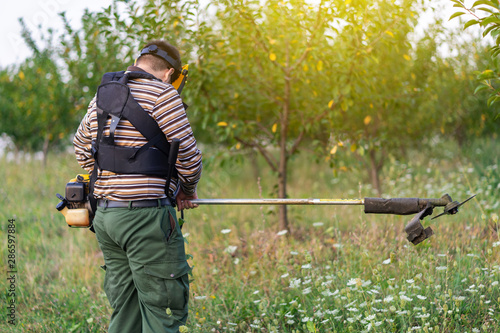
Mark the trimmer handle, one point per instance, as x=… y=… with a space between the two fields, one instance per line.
x=397 y=206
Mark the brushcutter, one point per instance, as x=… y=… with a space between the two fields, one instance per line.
x=415 y=231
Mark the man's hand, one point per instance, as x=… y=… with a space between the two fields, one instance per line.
x=183 y=200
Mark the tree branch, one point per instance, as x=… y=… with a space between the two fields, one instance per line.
x=269 y=158
x=296 y=143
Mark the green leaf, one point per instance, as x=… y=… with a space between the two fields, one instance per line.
x=495 y=52
x=485 y=10
x=488 y=30
x=489 y=20
x=491 y=100
x=480 y=88
x=470 y=23
x=311 y=327
x=457 y=14
x=484 y=2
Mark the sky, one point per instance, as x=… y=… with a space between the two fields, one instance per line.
x=36 y=12
x=45 y=12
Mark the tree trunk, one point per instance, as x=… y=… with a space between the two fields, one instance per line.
x=282 y=169
x=283 y=217
x=255 y=164
x=375 y=167
x=45 y=149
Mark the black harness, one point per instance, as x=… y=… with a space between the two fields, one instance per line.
x=115 y=101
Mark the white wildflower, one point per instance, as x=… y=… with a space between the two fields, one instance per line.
x=231 y=249
x=353 y=282
x=225 y=231
x=410 y=281
x=285 y=275
x=421 y=297
x=200 y=297
x=295 y=283
x=329 y=293
x=441 y=268
x=494 y=283
x=282 y=232
x=388 y=299
x=386 y=261
x=405 y=298
x=308 y=266
x=371 y=317
x=318 y=224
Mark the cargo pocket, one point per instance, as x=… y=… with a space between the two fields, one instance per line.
x=168 y=226
x=167 y=284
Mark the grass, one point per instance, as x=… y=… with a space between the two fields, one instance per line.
x=339 y=271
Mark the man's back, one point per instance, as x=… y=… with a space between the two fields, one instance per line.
x=162 y=102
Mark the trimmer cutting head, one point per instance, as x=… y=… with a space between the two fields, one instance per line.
x=452 y=207
x=415 y=230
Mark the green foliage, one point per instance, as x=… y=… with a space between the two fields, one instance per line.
x=339 y=77
x=486 y=14
x=34 y=101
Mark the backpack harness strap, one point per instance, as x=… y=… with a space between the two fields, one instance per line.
x=115 y=100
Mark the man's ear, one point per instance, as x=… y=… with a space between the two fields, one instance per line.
x=167 y=77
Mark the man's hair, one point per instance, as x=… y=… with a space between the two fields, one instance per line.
x=157 y=63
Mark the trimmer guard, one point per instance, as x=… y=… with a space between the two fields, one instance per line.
x=415 y=230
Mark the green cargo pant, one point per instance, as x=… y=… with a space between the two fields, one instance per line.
x=146 y=278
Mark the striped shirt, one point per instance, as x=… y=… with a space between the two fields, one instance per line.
x=162 y=102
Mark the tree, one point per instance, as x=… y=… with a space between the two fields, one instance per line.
x=35 y=107
x=486 y=14
x=377 y=89
x=289 y=72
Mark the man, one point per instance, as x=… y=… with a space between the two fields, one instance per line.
x=136 y=227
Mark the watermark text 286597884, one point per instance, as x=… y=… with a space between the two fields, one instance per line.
x=11 y=272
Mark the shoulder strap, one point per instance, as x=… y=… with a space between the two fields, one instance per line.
x=112 y=76
x=114 y=99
